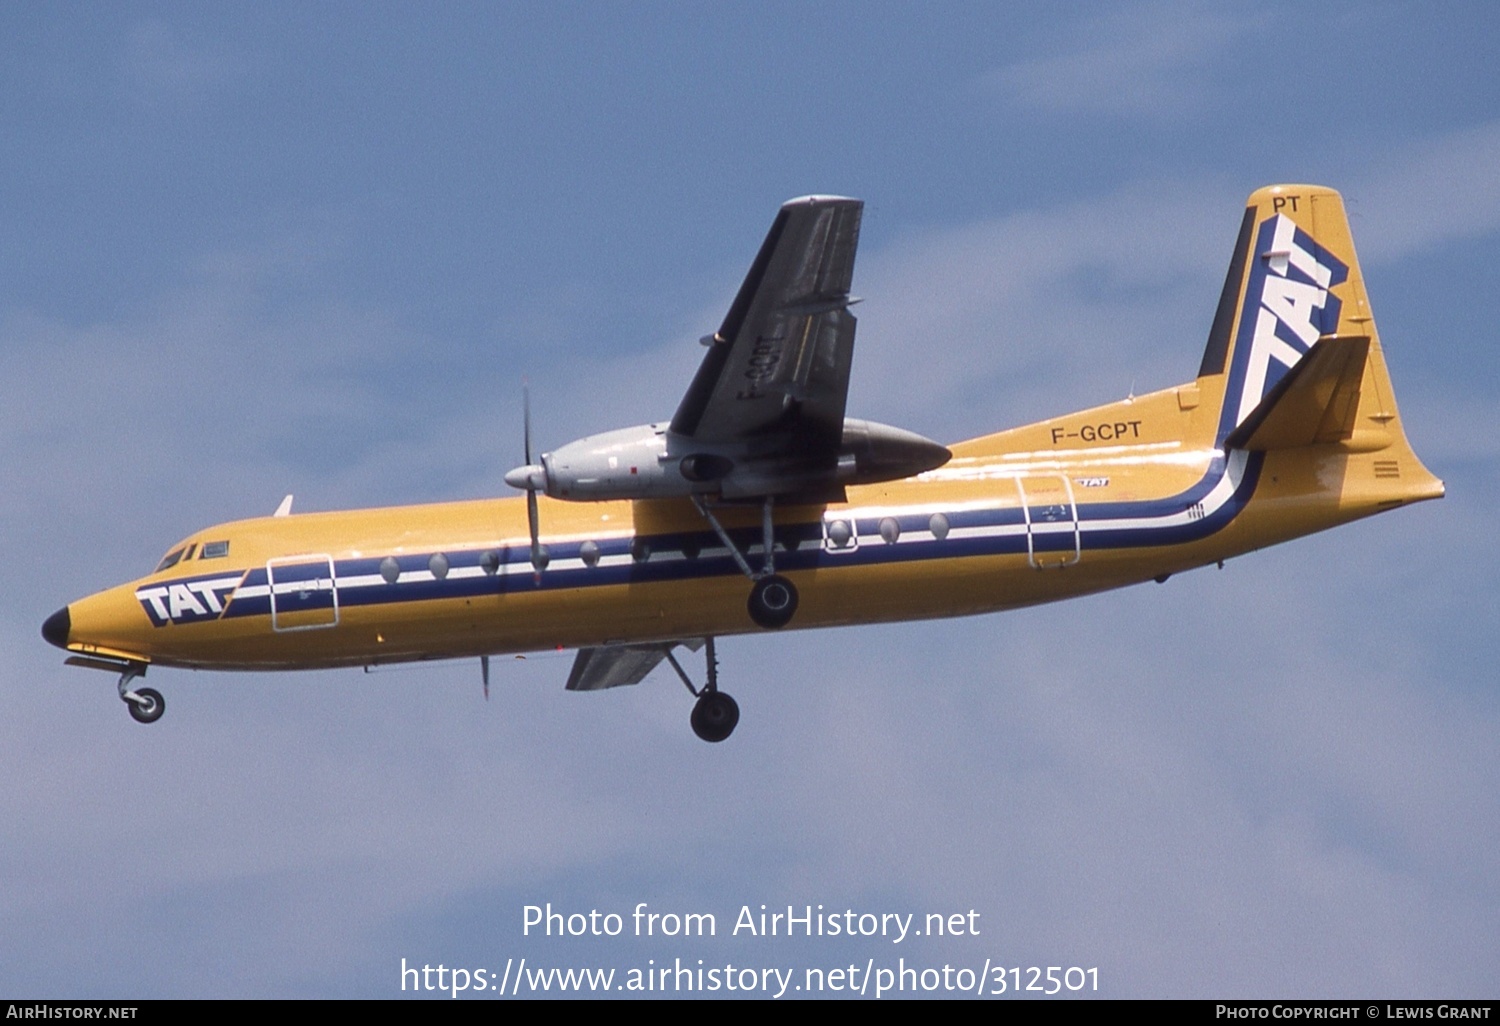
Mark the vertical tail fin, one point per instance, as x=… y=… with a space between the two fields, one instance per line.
x=1293 y=347
x=1295 y=287
x=1294 y=279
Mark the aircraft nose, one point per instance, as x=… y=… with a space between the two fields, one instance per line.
x=56 y=627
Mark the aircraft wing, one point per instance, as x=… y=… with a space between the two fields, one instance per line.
x=777 y=370
x=610 y=666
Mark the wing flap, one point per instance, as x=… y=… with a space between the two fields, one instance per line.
x=613 y=666
x=1314 y=403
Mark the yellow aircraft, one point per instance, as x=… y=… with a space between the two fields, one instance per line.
x=632 y=543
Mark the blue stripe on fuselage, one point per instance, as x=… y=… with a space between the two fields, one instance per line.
x=668 y=559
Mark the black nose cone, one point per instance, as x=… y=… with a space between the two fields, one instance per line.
x=57 y=626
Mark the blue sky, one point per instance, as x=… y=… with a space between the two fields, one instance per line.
x=316 y=249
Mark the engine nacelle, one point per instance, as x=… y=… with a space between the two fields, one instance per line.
x=650 y=462
x=884 y=453
x=628 y=463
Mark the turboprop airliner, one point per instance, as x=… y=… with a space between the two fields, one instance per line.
x=761 y=506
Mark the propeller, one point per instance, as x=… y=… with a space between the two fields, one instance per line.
x=530 y=477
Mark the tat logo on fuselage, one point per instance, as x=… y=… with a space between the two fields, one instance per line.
x=1287 y=307
x=188 y=600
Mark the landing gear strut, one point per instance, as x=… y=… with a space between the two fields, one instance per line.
x=715 y=714
x=773 y=598
x=145 y=704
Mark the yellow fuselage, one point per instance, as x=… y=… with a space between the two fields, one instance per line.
x=1096 y=500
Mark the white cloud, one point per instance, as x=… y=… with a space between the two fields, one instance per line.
x=1432 y=190
x=1150 y=61
x=159 y=62
x=988 y=326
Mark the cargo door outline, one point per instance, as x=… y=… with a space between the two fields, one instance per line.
x=1052 y=535
x=304 y=595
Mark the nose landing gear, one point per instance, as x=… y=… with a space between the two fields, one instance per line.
x=145 y=704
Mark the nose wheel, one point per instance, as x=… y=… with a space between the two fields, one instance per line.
x=145 y=704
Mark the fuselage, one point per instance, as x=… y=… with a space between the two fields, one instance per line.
x=1120 y=494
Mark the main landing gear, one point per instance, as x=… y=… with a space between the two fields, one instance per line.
x=145 y=704
x=773 y=601
x=773 y=598
x=715 y=714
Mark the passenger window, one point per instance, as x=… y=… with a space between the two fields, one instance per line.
x=168 y=561
x=189 y=553
x=214 y=550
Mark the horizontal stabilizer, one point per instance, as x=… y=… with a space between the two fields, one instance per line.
x=1314 y=403
x=610 y=666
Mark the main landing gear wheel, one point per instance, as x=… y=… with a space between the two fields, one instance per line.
x=715 y=713
x=773 y=601
x=147 y=705
x=773 y=598
x=715 y=716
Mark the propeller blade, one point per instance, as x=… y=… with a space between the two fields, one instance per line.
x=531 y=474
x=526 y=420
x=537 y=559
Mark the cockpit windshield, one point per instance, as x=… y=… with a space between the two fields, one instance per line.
x=170 y=559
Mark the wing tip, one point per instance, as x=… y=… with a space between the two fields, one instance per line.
x=818 y=199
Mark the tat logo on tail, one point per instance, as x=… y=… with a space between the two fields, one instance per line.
x=1287 y=307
